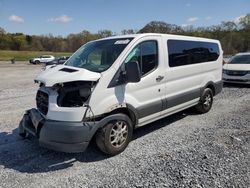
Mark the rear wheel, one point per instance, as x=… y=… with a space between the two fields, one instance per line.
x=206 y=101
x=114 y=137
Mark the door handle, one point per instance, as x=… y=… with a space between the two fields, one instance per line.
x=159 y=78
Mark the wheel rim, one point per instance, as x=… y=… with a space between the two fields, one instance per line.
x=119 y=134
x=207 y=100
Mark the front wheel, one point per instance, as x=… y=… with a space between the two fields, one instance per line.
x=115 y=136
x=205 y=102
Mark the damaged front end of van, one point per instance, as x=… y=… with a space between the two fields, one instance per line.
x=62 y=106
x=69 y=110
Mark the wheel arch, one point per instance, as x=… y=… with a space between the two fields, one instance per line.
x=128 y=110
x=210 y=85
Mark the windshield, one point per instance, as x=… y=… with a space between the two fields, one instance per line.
x=98 y=56
x=240 y=59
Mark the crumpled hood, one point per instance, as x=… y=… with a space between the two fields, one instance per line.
x=239 y=67
x=61 y=74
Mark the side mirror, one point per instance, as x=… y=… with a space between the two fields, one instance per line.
x=133 y=73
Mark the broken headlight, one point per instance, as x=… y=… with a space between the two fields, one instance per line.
x=85 y=92
x=74 y=94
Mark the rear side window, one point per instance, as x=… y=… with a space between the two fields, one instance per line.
x=146 y=54
x=181 y=52
x=46 y=56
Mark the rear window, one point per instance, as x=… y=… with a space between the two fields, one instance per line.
x=181 y=52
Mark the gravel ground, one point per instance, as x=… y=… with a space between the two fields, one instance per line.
x=183 y=150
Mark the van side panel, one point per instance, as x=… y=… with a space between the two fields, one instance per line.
x=184 y=81
x=179 y=89
x=213 y=70
x=185 y=84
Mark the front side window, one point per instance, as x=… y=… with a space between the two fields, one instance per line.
x=240 y=59
x=98 y=56
x=146 y=54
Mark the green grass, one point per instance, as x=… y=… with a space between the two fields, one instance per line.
x=7 y=55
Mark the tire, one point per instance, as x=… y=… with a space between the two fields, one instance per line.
x=37 y=62
x=206 y=101
x=115 y=136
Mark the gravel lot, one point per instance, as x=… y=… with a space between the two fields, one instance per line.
x=183 y=150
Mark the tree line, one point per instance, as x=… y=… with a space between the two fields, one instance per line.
x=234 y=37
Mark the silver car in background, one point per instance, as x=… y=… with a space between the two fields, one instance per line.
x=42 y=59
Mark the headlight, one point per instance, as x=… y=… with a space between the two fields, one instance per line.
x=74 y=94
x=85 y=92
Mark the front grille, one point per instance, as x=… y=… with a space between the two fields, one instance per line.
x=236 y=73
x=42 y=102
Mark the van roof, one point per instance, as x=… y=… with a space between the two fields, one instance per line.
x=169 y=36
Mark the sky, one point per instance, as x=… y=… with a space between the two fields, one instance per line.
x=62 y=17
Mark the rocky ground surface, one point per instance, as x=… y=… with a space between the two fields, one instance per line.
x=183 y=150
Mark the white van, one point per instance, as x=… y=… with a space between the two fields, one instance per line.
x=111 y=86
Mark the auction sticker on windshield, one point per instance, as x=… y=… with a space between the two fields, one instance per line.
x=122 y=41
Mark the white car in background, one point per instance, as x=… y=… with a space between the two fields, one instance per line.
x=237 y=70
x=42 y=59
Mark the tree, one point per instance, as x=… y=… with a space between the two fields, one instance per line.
x=28 y=39
x=233 y=37
x=104 y=33
x=2 y=31
x=128 y=31
x=156 y=27
x=229 y=26
x=36 y=44
x=18 y=42
x=245 y=22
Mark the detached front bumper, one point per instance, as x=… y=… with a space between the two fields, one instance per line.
x=58 y=135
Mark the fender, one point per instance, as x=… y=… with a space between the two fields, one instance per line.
x=105 y=121
x=125 y=108
x=215 y=86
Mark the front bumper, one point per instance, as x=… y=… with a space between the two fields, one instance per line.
x=236 y=79
x=31 y=61
x=58 y=135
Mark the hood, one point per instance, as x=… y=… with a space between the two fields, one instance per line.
x=240 y=67
x=61 y=74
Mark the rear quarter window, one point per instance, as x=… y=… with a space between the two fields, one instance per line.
x=182 y=52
